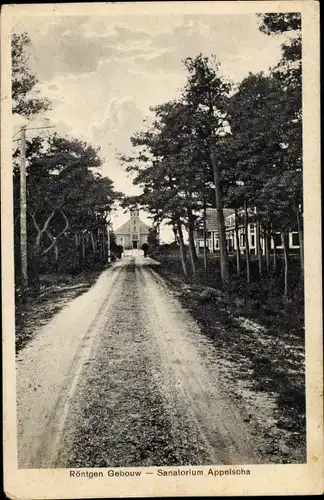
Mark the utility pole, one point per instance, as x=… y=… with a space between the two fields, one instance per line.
x=108 y=240
x=23 y=208
x=158 y=233
x=23 y=211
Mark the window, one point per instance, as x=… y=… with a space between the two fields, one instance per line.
x=217 y=243
x=229 y=221
x=252 y=228
x=252 y=240
x=242 y=240
x=295 y=239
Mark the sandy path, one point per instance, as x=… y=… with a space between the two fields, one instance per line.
x=49 y=367
x=192 y=383
x=123 y=377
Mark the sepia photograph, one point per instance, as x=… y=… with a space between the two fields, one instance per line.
x=159 y=241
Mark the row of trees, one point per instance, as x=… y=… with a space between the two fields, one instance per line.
x=68 y=200
x=222 y=146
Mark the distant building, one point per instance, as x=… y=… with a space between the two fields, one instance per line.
x=212 y=235
x=133 y=233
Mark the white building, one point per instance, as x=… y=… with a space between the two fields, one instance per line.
x=133 y=233
x=212 y=236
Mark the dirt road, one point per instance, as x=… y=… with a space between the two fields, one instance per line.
x=122 y=376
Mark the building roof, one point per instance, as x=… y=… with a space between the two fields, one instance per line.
x=126 y=228
x=211 y=217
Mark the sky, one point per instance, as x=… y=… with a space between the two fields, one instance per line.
x=103 y=73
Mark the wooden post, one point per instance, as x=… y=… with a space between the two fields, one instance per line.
x=23 y=211
x=108 y=244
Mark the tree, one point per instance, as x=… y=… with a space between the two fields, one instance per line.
x=153 y=236
x=206 y=92
x=177 y=158
x=289 y=72
x=169 y=167
x=66 y=198
x=266 y=168
x=289 y=68
x=26 y=100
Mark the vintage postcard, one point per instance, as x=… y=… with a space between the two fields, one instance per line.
x=161 y=249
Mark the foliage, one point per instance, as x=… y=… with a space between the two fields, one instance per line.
x=153 y=237
x=289 y=68
x=246 y=145
x=68 y=200
x=26 y=100
x=276 y=23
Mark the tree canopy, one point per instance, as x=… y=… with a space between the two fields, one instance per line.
x=26 y=99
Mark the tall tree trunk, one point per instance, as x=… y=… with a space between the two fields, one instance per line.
x=191 y=243
x=175 y=232
x=78 y=249
x=275 y=258
x=205 y=237
x=220 y=220
x=192 y=258
x=56 y=252
x=247 y=246
x=267 y=244
x=93 y=243
x=181 y=245
x=35 y=263
x=258 y=247
x=237 y=244
x=103 y=250
x=286 y=259
x=53 y=241
x=37 y=246
x=191 y=234
x=83 y=249
x=301 y=240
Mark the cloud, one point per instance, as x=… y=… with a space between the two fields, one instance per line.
x=125 y=34
x=77 y=44
x=102 y=74
x=235 y=40
x=120 y=120
x=80 y=44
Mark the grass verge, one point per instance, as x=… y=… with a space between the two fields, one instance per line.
x=56 y=291
x=260 y=339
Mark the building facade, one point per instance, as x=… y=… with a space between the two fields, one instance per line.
x=212 y=236
x=134 y=233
